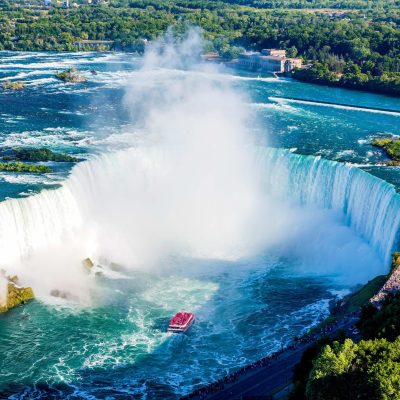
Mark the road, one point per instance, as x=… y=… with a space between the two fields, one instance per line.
x=263 y=382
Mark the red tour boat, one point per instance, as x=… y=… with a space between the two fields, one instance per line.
x=181 y=322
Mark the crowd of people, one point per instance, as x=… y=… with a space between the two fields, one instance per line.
x=392 y=285
x=303 y=341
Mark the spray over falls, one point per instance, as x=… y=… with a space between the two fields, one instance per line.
x=196 y=184
x=34 y=229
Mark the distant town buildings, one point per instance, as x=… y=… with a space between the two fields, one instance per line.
x=95 y=44
x=269 y=60
x=67 y=4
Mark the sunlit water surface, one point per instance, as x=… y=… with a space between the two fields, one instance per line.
x=118 y=348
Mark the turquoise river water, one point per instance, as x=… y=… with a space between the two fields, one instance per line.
x=333 y=224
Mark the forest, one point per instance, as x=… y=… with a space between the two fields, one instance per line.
x=352 y=43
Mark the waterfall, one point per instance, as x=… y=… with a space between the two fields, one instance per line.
x=29 y=224
x=370 y=205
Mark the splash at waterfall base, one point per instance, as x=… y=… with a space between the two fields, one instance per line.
x=69 y=223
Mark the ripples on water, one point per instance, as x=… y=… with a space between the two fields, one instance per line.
x=243 y=312
x=118 y=348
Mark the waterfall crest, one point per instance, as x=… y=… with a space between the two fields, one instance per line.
x=370 y=205
x=32 y=223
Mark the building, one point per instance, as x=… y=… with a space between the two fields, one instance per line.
x=269 y=60
x=47 y=3
x=95 y=44
x=65 y=3
x=273 y=52
x=293 y=63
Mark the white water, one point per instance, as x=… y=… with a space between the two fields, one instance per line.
x=45 y=236
x=338 y=106
x=195 y=185
x=371 y=205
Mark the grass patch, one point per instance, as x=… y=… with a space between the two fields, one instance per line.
x=354 y=301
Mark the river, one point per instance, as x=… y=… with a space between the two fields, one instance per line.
x=258 y=258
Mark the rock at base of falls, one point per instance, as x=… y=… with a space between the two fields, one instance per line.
x=64 y=295
x=88 y=263
x=90 y=266
x=15 y=295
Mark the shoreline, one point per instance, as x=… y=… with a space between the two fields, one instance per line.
x=296 y=77
x=228 y=64
x=359 y=88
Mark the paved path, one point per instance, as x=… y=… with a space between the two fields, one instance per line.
x=265 y=381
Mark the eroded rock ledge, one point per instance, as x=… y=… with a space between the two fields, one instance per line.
x=15 y=294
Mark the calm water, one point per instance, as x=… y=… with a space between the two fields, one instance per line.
x=118 y=348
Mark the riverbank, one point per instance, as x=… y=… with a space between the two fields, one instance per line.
x=385 y=84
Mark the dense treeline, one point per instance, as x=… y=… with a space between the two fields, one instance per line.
x=356 y=45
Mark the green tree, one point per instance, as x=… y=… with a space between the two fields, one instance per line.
x=368 y=370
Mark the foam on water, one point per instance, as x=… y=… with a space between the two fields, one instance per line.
x=113 y=342
x=52 y=136
x=338 y=106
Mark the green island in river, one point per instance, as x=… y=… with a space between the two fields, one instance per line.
x=22 y=159
x=391 y=147
x=19 y=166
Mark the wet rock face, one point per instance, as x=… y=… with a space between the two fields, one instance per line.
x=64 y=295
x=88 y=263
x=16 y=295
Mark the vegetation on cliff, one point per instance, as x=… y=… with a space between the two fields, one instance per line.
x=366 y=370
x=350 y=75
x=381 y=323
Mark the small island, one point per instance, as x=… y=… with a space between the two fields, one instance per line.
x=19 y=166
x=41 y=154
x=23 y=159
x=17 y=85
x=71 y=75
x=391 y=147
